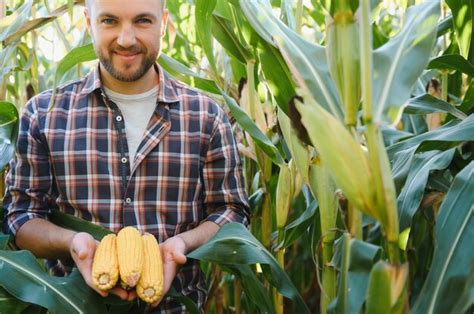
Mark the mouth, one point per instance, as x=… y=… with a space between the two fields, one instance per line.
x=126 y=55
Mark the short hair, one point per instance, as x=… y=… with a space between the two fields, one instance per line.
x=163 y=4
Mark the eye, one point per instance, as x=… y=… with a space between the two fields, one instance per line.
x=108 y=21
x=144 y=21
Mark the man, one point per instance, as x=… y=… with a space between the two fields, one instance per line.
x=125 y=146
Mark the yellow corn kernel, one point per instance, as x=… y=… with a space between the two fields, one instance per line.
x=150 y=286
x=105 y=269
x=130 y=256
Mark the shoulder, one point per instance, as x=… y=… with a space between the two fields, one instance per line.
x=62 y=96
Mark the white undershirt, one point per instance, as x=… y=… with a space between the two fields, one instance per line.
x=137 y=110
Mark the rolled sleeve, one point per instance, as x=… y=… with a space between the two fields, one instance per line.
x=225 y=197
x=28 y=181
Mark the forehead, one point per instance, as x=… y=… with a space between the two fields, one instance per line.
x=125 y=7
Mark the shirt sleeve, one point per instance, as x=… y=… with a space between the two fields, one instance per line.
x=28 y=181
x=224 y=196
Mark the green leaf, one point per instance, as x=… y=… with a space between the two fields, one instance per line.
x=58 y=294
x=250 y=127
x=453 y=254
x=452 y=62
x=186 y=75
x=4 y=240
x=10 y=304
x=429 y=104
x=16 y=30
x=399 y=63
x=295 y=229
x=73 y=58
x=277 y=75
x=466 y=298
x=252 y=286
x=411 y=196
x=307 y=61
x=454 y=131
x=223 y=32
x=204 y=9
x=354 y=260
x=234 y=244
x=463 y=14
x=8 y=132
x=77 y=224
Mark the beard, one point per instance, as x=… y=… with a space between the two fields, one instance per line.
x=147 y=61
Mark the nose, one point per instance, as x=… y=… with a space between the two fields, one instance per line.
x=126 y=37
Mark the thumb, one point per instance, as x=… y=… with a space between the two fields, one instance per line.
x=179 y=258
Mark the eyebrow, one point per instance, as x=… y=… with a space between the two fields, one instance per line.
x=139 y=16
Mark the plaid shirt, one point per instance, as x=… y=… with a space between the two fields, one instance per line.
x=75 y=158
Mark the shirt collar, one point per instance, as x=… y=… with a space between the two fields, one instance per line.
x=166 y=88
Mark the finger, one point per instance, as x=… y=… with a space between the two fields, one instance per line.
x=132 y=295
x=121 y=293
x=179 y=258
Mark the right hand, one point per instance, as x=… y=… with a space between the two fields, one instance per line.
x=82 y=249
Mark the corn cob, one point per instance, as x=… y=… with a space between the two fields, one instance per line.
x=130 y=256
x=105 y=269
x=150 y=285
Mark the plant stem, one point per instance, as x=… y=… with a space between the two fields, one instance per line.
x=354 y=221
x=237 y=295
x=328 y=277
x=384 y=185
x=299 y=16
x=277 y=297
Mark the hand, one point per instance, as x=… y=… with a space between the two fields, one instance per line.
x=82 y=249
x=173 y=253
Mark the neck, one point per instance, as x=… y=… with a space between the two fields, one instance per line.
x=143 y=84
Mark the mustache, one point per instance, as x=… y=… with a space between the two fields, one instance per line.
x=131 y=49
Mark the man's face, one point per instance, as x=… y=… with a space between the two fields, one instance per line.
x=126 y=35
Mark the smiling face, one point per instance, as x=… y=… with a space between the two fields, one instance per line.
x=127 y=36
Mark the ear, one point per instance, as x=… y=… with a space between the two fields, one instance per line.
x=164 y=22
x=88 y=20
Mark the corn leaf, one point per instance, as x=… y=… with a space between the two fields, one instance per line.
x=24 y=278
x=399 y=63
x=463 y=14
x=452 y=62
x=234 y=244
x=257 y=135
x=77 y=224
x=252 y=286
x=8 y=132
x=23 y=27
x=307 y=61
x=453 y=131
x=186 y=75
x=222 y=31
x=354 y=260
x=204 y=9
x=466 y=298
x=73 y=58
x=454 y=252
x=410 y=198
x=10 y=304
x=429 y=104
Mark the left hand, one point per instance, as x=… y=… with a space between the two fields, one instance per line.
x=173 y=253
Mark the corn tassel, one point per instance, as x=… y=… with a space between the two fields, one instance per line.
x=105 y=269
x=130 y=256
x=150 y=285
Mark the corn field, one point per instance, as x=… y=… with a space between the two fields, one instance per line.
x=355 y=125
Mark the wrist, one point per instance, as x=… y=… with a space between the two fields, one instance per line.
x=183 y=240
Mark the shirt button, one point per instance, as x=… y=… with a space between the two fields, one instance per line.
x=118 y=118
x=124 y=160
x=128 y=200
